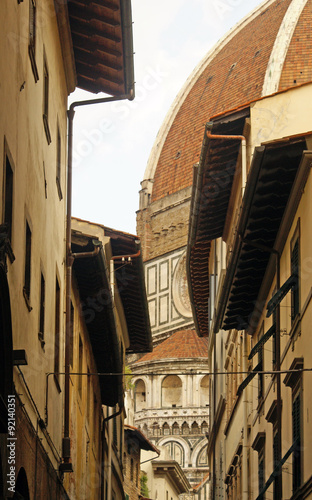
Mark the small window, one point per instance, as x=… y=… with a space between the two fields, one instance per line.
x=32 y=24
x=259 y=446
x=80 y=366
x=89 y=391
x=95 y=418
x=274 y=336
x=46 y=100
x=71 y=335
x=8 y=201
x=58 y=164
x=155 y=429
x=42 y=310
x=27 y=266
x=195 y=428
x=297 y=439
x=45 y=181
x=294 y=380
x=57 y=333
x=295 y=272
x=261 y=471
x=137 y=475
x=204 y=427
x=115 y=435
x=175 y=428
x=185 y=428
x=275 y=461
x=32 y=38
x=261 y=368
x=211 y=299
x=166 y=429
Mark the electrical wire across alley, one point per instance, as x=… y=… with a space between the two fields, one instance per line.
x=191 y=372
x=262 y=372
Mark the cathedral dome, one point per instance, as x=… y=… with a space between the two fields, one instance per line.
x=268 y=51
x=184 y=344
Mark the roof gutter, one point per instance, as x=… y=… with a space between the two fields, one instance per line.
x=194 y=211
x=197 y=187
x=196 y=195
x=126 y=23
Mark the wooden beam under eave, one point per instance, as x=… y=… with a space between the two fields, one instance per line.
x=91 y=30
x=97 y=13
x=98 y=58
x=96 y=86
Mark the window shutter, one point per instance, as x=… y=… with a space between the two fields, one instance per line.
x=261 y=474
x=296 y=411
x=295 y=272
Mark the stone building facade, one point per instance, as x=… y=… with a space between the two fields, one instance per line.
x=59 y=434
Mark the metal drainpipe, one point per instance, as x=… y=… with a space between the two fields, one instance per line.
x=214 y=479
x=84 y=255
x=214 y=416
x=69 y=260
x=109 y=444
x=244 y=152
x=279 y=478
x=109 y=455
x=245 y=439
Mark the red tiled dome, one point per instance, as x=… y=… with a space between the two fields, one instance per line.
x=182 y=344
x=232 y=74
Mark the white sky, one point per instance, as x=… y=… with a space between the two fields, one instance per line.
x=112 y=141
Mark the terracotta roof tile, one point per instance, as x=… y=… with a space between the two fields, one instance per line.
x=181 y=344
x=298 y=63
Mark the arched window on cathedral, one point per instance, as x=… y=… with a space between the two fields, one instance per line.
x=166 y=429
x=202 y=458
x=156 y=429
x=185 y=428
x=131 y=469
x=175 y=428
x=175 y=451
x=195 y=428
x=139 y=395
x=178 y=454
x=171 y=391
x=204 y=427
x=204 y=391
